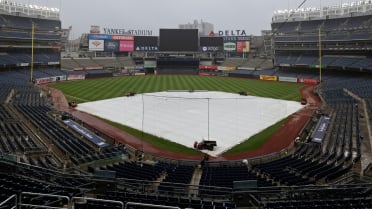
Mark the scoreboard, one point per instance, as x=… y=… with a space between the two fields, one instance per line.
x=179 y=40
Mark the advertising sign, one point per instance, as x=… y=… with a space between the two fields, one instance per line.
x=236 y=38
x=307 y=81
x=320 y=129
x=146 y=43
x=211 y=44
x=96 y=45
x=147 y=48
x=95 y=29
x=229 y=46
x=208 y=67
x=288 y=79
x=210 y=48
x=268 y=78
x=232 y=33
x=75 y=77
x=226 y=68
x=111 y=46
x=86 y=133
x=242 y=46
x=123 y=38
x=126 y=46
x=99 y=36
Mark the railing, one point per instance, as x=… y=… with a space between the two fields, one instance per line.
x=8 y=201
x=39 y=195
x=149 y=205
x=83 y=200
x=75 y=201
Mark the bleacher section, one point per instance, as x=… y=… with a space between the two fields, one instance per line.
x=17 y=36
x=346 y=41
x=308 y=164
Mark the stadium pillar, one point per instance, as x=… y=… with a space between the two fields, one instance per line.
x=208 y=118
x=32 y=52
x=143 y=113
x=320 y=56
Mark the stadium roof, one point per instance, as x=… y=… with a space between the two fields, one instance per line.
x=342 y=10
x=28 y=10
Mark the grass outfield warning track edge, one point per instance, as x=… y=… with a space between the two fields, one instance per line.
x=99 y=89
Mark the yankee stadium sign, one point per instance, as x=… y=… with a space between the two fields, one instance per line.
x=134 y=32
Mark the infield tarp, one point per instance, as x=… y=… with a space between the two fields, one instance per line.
x=182 y=116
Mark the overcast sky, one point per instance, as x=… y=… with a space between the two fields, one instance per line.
x=249 y=15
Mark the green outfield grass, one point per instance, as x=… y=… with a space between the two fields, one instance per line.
x=93 y=90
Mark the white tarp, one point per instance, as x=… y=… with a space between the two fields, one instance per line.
x=185 y=117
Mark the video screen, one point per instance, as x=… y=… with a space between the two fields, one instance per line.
x=179 y=40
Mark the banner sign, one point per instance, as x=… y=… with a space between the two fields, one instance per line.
x=307 y=81
x=268 y=78
x=226 y=68
x=99 y=36
x=147 y=48
x=146 y=43
x=243 y=46
x=210 y=48
x=96 y=45
x=110 y=37
x=50 y=79
x=236 y=38
x=288 y=79
x=42 y=80
x=149 y=64
x=94 y=68
x=126 y=46
x=87 y=134
x=71 y=77
x=111 y=46
x=229 y=46
x=320 y=129
x=123 y=38
x=51 y=63
x=208 y=67
x=95 y=29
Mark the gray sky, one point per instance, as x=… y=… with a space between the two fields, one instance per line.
x=249 y=15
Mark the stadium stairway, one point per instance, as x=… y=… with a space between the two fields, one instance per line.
x=195 y=180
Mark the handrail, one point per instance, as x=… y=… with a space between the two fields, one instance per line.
x=150 y=205
x=97 y=200
x=43 y=195
x=9 y=198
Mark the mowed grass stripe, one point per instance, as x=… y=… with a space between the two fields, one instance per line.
x=101 y=89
